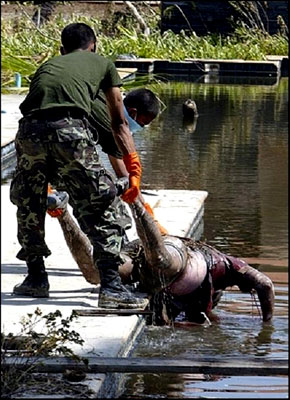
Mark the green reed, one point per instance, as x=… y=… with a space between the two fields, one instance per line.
x=24 y=47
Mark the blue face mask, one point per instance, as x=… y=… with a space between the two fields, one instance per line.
x=133 y=125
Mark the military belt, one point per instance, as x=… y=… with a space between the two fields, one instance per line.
x=56 y=114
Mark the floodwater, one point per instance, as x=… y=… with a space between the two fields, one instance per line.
x=237 y=150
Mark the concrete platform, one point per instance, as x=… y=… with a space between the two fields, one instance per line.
x=271 y=67
x=107 y=336
x=10 y=115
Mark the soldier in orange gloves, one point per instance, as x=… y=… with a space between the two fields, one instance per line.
x=140 y=107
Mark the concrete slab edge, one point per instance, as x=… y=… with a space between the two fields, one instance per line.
x=102 y=386
x=192 y=232
x=111 y=386
x=270 y=67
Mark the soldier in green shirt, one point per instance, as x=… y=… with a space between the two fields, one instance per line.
x=53 y=142
x=141 y=106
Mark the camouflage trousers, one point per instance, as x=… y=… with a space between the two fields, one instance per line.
x=64 y=150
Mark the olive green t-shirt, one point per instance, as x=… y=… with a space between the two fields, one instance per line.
x=100 y=125
x=71 y=80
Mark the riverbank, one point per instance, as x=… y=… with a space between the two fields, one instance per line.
x=25 y=45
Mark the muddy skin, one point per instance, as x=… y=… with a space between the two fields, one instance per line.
x=80 y=247
x=193 y=274
x=165 y=255
x=180 y=275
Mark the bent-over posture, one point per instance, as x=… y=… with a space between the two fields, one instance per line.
x=179 y=274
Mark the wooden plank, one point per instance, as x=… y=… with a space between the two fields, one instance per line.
x=98 y=312
x=202 y=365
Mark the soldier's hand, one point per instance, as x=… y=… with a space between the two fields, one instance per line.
x=133 y=166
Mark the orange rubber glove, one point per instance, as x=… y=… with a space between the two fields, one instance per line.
x=58 y=211
x=133 y=165
x=49 y=189
x=148 y=208
x=55 y=213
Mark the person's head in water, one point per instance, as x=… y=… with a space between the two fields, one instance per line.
x=189 y=109
x=77 y=36
x=142 y=106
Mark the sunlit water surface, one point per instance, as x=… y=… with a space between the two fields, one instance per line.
x=237 y=150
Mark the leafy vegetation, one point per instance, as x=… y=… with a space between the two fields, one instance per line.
x=29 y=342
x=25 y=46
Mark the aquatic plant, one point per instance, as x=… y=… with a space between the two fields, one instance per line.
x=25 y=46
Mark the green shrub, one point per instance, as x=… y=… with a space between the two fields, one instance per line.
x=55 y=333
x=25 y=47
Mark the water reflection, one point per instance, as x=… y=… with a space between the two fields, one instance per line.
x=199 y=386
x=189 y=124
x=237 y=150
x=233 y=336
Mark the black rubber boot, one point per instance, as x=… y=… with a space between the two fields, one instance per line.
x=36 y=283
x=113 y=294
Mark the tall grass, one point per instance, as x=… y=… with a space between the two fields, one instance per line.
x=24 y=47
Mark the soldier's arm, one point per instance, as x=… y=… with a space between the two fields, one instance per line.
x=125 y=142
x=118 y=166
x=119 y=123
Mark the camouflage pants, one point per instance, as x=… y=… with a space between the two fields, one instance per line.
x=64 y=150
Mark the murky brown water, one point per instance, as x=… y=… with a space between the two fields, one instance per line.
x=238 y=152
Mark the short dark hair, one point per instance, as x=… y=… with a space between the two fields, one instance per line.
x=145 y=101
x=77 y=36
